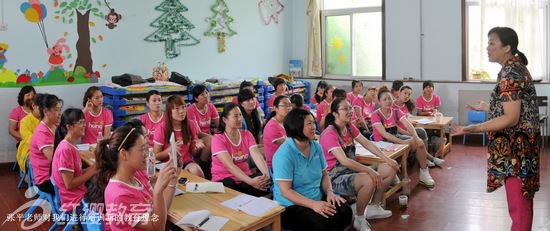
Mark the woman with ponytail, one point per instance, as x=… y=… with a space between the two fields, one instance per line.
x=232 y=147
x=324 y=106
x=349 y=177
x=274 y=131
x=251 y=116
x=364 y=107
x=513 y=127
x=129 y=200
x=42 y=141
x=67 y=170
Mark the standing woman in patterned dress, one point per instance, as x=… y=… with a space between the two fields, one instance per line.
x=513 y=127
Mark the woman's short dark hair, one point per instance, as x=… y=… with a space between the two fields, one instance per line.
x=48 y=101
x=245 y=84
x=396 y=85
x=278 y=81
x=354 y=82
x=245 y=95
x=294 y=123
x=339 y=93
x=427 y=83
x=198 y=90
x=382 y=90
x=297 y=100
x=24 y=90
x=151 y=93
x=509 y=37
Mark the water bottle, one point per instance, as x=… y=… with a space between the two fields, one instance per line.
x=151 y=163
x=99 y=137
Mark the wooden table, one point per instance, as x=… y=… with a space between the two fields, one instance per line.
x=445 y=121
x=238 y=220
x=188 y=202
x=401 y=151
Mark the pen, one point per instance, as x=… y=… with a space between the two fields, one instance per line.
x=202 y=223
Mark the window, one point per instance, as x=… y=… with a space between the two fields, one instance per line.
x=352 y=39
x=533 y=35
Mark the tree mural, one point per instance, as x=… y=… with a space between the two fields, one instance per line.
x=69 y=10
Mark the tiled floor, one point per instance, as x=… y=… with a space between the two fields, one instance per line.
x=459 y=201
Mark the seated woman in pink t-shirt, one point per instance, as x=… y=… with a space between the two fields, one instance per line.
x=98 y=118
x=231 y=150
x=152 y=119
x=324 y=106
x=67 y=171
x=186 y=133
x=274 y=133
x=297 y=101
x=319 y=91
x=385 y=122
x=41 y=151
x=17 y=113
x=364 y=107
x=428 y=103
x=279 y=84
x=202 y=111
x=247 y=85
x=130 y=202
x=349 y=177
x=355 y=93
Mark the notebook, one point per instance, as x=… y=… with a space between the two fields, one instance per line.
x=362 y=151
x=255 y=206
x=204 y=187
x=204 y=220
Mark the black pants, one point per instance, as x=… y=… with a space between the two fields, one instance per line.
x=297 y=217
x=244 y=187
x=46 y=186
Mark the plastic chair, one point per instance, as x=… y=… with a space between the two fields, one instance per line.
x=63 y=217
x=22 y=175
x=94 y=222
x=542 y=101
x=42 y=196
x=476 y=117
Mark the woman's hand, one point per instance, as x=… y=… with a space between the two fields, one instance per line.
x=460 y=130
x=333 y=199
x=376 y=178
x=165 y=175
x=324 y=208
x=89 y=106
x=258 y=182
x=392 y=163
x=481 y=106
x=419 y=142
x=199 y=144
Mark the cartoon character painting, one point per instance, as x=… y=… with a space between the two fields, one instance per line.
x=56 y=59
x=3 y=49
x=112 y=19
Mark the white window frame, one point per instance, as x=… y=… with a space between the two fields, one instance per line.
x=544 y=7
x=350 y=12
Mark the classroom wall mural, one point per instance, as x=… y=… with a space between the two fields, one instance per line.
x=65 y=65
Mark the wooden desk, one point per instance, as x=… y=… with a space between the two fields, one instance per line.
x=238 y=220
x=88 y=158
x=402 y=151
x=445 y=121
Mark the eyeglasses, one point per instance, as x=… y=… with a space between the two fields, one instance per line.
x=345 y=108
x=81 y=122
x=287 y=105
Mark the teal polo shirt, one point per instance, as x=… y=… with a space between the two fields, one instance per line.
x=289 y=164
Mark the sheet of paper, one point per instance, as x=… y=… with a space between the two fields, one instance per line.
x=361 y=151
x=83 y=147
x=204 y=187
x=215 y=223
x=178 y=192
x=258 y=206
x=393 y=147
x=425 y=121
x=194 y=218
x=238 y=201
x=382 y=144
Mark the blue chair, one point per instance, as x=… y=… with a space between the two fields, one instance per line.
x=42 y=196
x=476 y=117
x=63 y=217
x=94 y=222
x=22 y=175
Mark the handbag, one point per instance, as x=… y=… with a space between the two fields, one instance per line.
x=178 y=78
x=160 y=72
x=127 y=79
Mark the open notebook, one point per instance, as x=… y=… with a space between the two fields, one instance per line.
x=203 y=220
x=255 y=206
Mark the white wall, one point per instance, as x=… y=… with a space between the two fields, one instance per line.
x=256 y=51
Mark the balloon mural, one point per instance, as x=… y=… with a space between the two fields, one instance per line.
x=36 y=12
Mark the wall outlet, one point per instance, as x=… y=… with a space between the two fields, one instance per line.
x=3 y=26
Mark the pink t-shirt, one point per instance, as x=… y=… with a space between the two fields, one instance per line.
x=16 y=115
x=305 y=106
x=42 y=138
x=313 y=100
x=271 y=100
x=388 y=122
x=366 y=108
x=428 y=106
x=151 y=126
x=273 y=132
x=183 y=148
x=405 y=111
x=203 y=119
x=67 y=158
x=236 y=100
x=96 y=124
x=330 y=140
x=239 y=153
x=321 y=111
x=127 y=205
x=351 y=98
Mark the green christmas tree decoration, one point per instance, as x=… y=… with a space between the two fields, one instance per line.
x=172 y=28
x=220 y=24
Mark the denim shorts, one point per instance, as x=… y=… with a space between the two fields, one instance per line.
x=344 y=184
